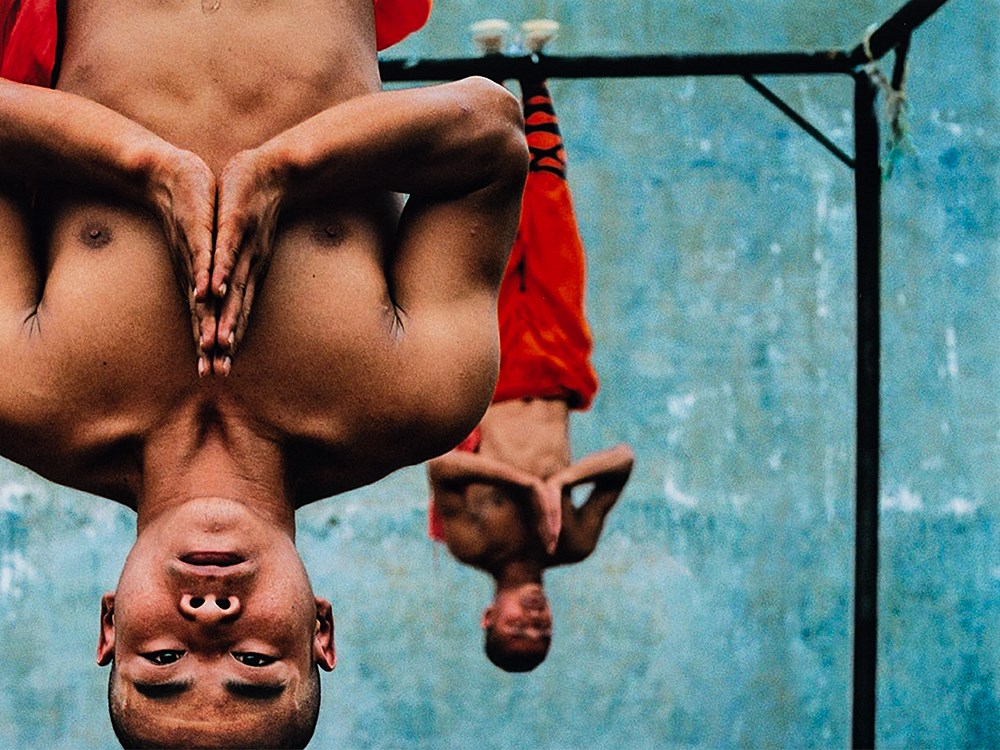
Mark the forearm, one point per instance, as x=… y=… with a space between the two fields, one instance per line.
x=608 y=471
x=609 y=468
x=54 y=135
x=463 y=468
x=448 y=140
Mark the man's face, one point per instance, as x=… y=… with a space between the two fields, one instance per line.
x=213 y=613
x=522 y=618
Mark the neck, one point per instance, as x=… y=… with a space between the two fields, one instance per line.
x=514 y=573
x=205 y=453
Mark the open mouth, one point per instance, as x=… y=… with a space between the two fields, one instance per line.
x=215 y=559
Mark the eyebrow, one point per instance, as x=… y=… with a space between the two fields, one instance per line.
x=255 y=690
x=161 y=690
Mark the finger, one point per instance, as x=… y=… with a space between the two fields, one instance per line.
x=234 y=302
x=197 y=235
x=555 y=527
x=227 y=346
x=195 y=329
x=207 y=327
x=190 y=221
x=201 y=269
x=236 y=337
x=223 y=261
x=222 y=364
x=228 y=241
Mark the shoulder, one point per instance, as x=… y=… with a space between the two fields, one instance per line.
x=101 y=457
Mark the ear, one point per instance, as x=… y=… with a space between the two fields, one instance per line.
x=106 y=638
x=489 y=615
x=324 y=651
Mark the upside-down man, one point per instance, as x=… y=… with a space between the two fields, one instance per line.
x=216 y=142
x=502 y=501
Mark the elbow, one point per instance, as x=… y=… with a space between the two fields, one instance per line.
x=494 y=115
x=626 y=455
x=627 y=461
x=622 y=459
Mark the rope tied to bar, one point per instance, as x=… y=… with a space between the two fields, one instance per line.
x=896 y=105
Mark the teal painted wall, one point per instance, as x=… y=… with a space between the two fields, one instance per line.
x=717 y=610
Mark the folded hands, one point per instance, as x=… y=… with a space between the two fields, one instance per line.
x=220 y=231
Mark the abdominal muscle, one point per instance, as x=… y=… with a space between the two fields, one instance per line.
x=221 y=76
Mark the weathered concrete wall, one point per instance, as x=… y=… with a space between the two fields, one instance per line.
x=717 y=610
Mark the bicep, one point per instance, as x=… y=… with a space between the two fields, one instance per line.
x=454 y=244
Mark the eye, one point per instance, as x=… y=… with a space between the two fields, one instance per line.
x=252 y=659
x=163 y=658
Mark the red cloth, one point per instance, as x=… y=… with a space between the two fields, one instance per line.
x=545 y=341
x=28 y=31
x=29 y=34
x=397 y=19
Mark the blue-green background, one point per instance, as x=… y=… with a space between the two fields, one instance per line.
x=717 y=610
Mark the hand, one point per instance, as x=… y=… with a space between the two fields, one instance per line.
x=250 y=196
x=184 y=200
x=548 y=498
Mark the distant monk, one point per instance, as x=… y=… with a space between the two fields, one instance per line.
x=501 y=500
x=213 y=143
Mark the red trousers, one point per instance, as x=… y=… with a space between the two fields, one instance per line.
x=545 y=341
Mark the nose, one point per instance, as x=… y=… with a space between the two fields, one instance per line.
x=210 y=609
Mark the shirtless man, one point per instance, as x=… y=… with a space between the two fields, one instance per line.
x=371 y=346
x=502 y=499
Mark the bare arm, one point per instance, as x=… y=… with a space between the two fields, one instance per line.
x=457 y=150
x=48 y=135
x=55 y=135
x=455 y=470
x=608 y=471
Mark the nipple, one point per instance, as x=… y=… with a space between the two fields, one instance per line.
x=210 y=6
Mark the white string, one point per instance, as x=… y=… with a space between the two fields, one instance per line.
x=895 y=105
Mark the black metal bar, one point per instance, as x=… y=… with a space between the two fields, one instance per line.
x=504 y=67
x=799 y=120
x=892 y=32
x=899 y=66
x=868 y=212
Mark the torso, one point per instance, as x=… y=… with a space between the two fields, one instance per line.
x=218 y=81
x=113 y=320
x=493 y=527
x=529 y=434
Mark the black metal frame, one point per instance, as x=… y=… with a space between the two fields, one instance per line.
x=894 y=34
